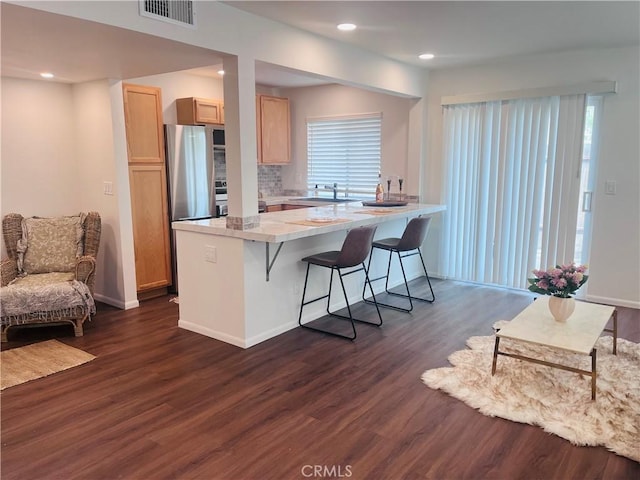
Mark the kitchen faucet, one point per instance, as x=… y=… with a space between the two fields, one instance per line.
x=334 y=188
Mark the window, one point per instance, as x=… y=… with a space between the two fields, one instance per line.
x=346 y=151
x=513 y=185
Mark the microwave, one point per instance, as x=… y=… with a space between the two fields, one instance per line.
x=218 y=137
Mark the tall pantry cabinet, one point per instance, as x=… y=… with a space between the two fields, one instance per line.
x=148 y=186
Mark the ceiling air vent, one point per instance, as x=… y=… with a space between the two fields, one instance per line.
x=180 y=12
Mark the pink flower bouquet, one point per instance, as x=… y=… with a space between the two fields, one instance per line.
x=561 y=281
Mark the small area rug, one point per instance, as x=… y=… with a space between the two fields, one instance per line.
x=556 y=400
x=20 y=365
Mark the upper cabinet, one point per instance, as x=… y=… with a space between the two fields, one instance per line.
x=273 y=130
x=200 y=111
x=143 y=123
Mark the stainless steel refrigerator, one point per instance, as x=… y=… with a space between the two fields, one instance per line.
x=190 y=177
x=190 y=172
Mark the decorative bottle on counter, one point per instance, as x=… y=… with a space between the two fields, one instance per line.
x=379 y=190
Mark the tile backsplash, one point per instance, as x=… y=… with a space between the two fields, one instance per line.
x=270 y=180
x=269 y=176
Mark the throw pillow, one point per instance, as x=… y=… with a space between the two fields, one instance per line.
x=51 y=244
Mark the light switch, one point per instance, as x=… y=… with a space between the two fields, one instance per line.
x=610 y=187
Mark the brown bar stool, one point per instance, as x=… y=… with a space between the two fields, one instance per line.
x=354 y=252
x=409 y=244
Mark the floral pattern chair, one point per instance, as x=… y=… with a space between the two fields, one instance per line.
x=49 y=274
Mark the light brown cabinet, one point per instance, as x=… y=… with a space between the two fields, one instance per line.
x=148 y=189
x=288 y=206
x=143 y=121
x=273 y=125
x=150 y=226
x=200 y=111
x=284 y=206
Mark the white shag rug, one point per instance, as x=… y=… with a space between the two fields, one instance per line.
x=556 y=400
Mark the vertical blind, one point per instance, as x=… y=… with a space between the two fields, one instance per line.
x=512 y=187
x=346 y=151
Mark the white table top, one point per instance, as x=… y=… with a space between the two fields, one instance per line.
x=579 y=333
x=277 y=227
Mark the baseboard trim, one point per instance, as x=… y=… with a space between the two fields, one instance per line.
x=618 y=302
x=114 y=302
x=274 y=332
x=207 y=332
x=233 y=340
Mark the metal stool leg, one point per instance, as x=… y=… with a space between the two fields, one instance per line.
x=408 y=295
x=355 y=249
x=373 y=295
x=350 y=317
x=433 y=296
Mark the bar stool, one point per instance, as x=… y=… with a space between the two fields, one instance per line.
x=354 y=252
x=409 y=244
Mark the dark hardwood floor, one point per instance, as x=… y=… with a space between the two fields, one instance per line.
x=159 y=402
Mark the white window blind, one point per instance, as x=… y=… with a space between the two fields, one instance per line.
x=512 y=187
x=346 y=151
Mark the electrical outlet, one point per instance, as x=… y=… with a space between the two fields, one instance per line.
x=210 y=254
x=107 y=188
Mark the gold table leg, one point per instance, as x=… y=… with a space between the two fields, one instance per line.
x=594 y=374
x=614 y=331
x=495 y=356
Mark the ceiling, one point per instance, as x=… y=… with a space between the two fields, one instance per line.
x=458 y=33
x=461 y=33
x=77 y=51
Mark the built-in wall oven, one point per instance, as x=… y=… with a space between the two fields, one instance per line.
x=221 y=198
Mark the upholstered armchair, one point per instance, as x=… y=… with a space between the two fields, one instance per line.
x=49 y=275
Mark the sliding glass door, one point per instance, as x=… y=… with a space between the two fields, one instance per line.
x=514 y=175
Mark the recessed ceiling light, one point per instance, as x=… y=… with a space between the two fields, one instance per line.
x=347 y=27
x=426 y=56
x=220 y=72
x=46 y=75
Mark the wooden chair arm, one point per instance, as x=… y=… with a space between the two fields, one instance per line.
x=85 y=271
x=9 y=270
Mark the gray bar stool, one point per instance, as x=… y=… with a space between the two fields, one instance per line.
x=354 y=252
x=409 y=245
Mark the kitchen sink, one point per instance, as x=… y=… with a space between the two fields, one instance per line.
x=326 y=199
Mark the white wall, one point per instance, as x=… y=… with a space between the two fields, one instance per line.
x=39 y=169
x=335 y=100
x=94 y=145
x=615 y=253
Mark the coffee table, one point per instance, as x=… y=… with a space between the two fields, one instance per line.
x=578 y=334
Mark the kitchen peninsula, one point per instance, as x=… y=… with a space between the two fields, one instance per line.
x=244 y=286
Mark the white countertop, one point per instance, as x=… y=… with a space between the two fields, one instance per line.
x=275 y=227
